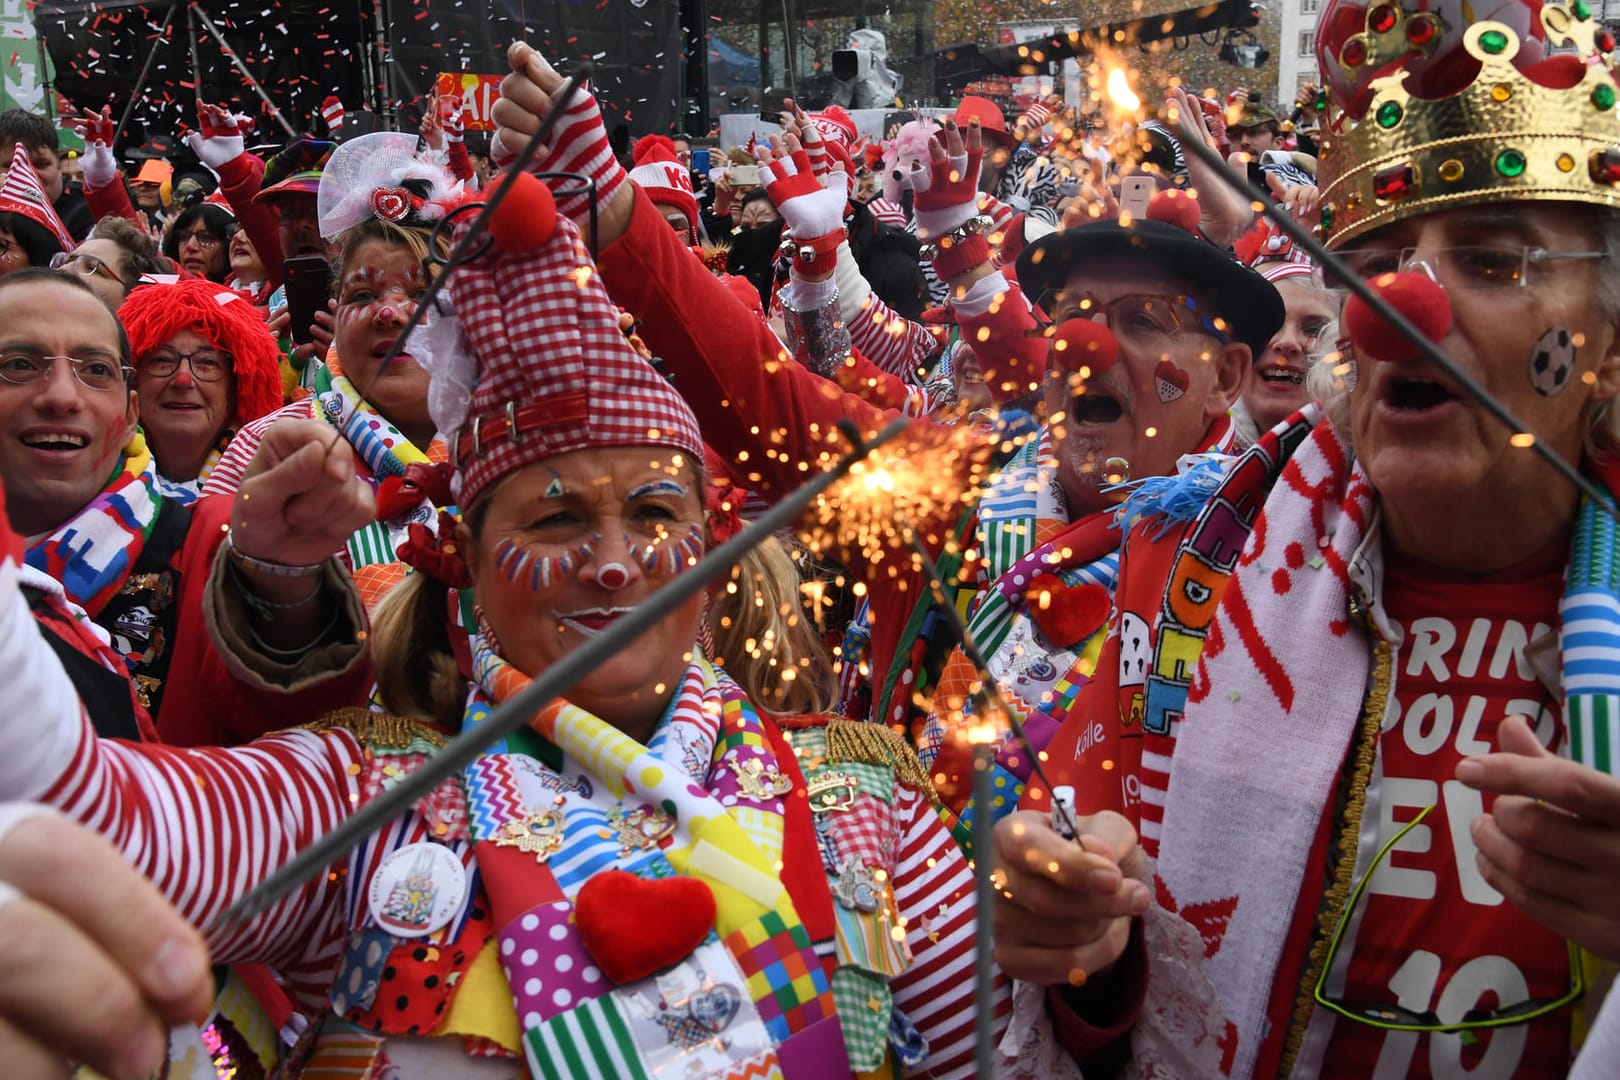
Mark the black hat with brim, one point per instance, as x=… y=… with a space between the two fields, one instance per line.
x=1249 y=304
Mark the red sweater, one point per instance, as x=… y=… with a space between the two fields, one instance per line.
x=749 y=399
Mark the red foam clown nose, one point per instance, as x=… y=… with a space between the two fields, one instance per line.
x=1087 y=343
x=525 y=218
x=1416 y=296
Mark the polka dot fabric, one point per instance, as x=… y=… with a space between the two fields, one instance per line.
x=548 y=967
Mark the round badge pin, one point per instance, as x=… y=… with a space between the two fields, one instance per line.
x=418 y=889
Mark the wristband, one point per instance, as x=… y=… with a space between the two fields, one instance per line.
x=265 y=566
x=816 y=257
x=957 y=255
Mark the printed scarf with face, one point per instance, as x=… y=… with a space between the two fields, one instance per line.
x=644 y=928
x=93 y=553
x=1042 y=615
x=386 y=454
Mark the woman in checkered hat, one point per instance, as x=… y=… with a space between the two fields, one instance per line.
x=654 y=877
x=380 y=203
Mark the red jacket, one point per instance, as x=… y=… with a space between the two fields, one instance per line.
x=749 y=399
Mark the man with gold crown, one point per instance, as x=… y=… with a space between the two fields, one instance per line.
x=1345 y=778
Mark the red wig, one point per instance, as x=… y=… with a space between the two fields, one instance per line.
x=226 y=319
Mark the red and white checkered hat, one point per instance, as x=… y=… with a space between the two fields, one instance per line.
x=554 y=371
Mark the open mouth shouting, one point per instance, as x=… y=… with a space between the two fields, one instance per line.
x=1415 y=395
x=1095 y=408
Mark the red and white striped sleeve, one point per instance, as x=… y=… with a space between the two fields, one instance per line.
x=232 y=465
x=207 y=824
x=933 y=888
x=889 y=340
x=204 y=825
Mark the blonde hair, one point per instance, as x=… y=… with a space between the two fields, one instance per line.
x=764 y=638
x=411 y=655
x=416 y=238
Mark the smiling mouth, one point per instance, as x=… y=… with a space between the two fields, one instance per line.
x=590 y=621
x=1095 y=408
x=56 y=441
x=1281 y=375
x=1416 y=395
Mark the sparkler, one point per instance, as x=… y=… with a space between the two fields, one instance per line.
x=1193 y=143
x=546 y=687
x=876 y=509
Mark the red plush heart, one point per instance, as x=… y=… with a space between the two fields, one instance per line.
x=1070 y=613
x=395 y=498
x=634 y=926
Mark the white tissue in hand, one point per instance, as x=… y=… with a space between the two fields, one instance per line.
x=440 y=346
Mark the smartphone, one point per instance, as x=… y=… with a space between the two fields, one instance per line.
x=700 y=162
x=743 y=175
x=308 y=280
x=1135 y=192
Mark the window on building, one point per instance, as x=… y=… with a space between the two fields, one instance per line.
x=1307 y=42
x=1307 y=7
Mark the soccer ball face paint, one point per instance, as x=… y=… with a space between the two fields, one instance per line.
x=1553 y=360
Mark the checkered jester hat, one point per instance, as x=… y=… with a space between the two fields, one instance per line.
x=554 y=372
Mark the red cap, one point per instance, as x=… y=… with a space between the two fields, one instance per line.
x=988 y=114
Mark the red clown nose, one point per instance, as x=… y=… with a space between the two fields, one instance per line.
x=1416 y=296
x=1083 y=342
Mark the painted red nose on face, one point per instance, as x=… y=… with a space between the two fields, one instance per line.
x=1082 y=342
x=1416 y=296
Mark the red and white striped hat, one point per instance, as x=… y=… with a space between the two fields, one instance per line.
x=554 y=371
x=661 y=175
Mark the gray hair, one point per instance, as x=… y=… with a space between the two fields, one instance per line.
x=1326 y=379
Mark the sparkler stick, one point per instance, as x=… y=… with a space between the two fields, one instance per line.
x=1522 y=436
x=549 y=685
x=473 y=237
x=989 y=707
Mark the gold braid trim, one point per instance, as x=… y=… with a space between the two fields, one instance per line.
x=878 y=744
x=379 y=731
x=1333 y=901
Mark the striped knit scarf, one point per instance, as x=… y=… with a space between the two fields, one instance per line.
x=94 y=552
x=752 y=995
x=186 y=492
x=1238 y=830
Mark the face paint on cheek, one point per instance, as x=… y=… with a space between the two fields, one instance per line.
x=1169 y=381
x=667 y=553
x=1553 y=360
x=525 y=569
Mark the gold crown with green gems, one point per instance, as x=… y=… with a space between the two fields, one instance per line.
x=1502 y=138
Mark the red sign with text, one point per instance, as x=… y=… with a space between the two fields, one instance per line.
x=477 y=93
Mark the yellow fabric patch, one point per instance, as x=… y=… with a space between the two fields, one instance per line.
x=482 y=1004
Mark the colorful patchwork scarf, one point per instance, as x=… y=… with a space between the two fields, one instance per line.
x=186 y=492
x=575 y=798
x=94 y=552
x=1259 y=676
x=386 y=452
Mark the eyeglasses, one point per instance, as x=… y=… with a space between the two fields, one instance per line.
x=1146 y=320
x=201 y=237
x=102 y=373
x=1394 y=1017
x=1469 y=267
x=85 y=265
x=206 y=364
